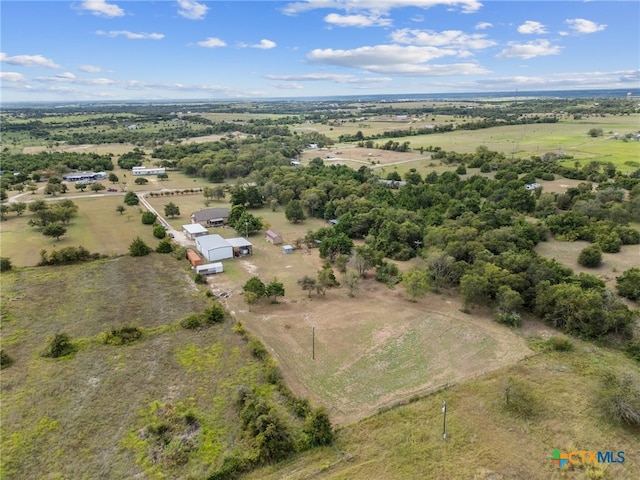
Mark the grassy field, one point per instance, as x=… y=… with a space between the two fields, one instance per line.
x=98 y=228
x=484 y=440
x=85 y=416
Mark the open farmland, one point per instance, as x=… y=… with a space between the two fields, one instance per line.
x=371 y=351
x=85 y=415
x=484 y=440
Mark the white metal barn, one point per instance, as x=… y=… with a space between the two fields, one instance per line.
x=214 y=247
x=194 y=230
x=210 y=268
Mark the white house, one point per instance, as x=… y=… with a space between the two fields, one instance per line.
x=214 y=247
x=147 y=171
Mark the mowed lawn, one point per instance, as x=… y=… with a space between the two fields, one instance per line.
x=98 y=227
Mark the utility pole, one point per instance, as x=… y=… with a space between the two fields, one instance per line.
x=246 y=228
x=444 y=421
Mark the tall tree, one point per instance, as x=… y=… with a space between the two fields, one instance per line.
x=55 y=230
x=275 y=289
x=307 y=283
x=171 y=210
x=416 y=283
x=294 y=212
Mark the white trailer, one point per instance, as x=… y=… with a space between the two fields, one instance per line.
x=210 y=268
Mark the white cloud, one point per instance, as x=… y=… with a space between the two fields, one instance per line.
x=329 y=77
x=483 y=25
x=29 y=61
x=530 y=27
x=102 y=8
x=89 y=68
x=287 y=86
x=467 y=6
x=192 y=10
x=449 y=38
x=580 y=25
x=11 y=77
x=211 y=42
x=537 y=48
x=394 y=59
x=264 y=44
x=563 y=81
x=131 y=35
x=357 y=20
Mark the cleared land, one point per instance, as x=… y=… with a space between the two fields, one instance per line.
x=484 y=440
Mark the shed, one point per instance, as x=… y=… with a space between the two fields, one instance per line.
x=241 y=246
x=287 y=249
x=194 y=258
x=272 y=237
x=210 y=268
x=214 y=247
x=194 y=230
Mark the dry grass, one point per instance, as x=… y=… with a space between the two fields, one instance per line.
x=484 y=441
x=82 y=417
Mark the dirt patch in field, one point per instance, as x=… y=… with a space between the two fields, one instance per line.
x=357 y=355
x=356 y=156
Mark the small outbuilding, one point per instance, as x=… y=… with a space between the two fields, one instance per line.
x=210 y=268
x=272 y=237
x=287 y=249
x=241 y=246
x=194 y=230
x=194 y=258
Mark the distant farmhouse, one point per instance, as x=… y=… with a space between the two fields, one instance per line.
x=211 y=217
x=147 y=171
x=85 y=177
x=194 y=230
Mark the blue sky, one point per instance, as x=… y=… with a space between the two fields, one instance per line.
x=187 y=49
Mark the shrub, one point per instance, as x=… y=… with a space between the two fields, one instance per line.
x=620 y=400
x=512 y=319
x=131 y=199
x=590 y=256
x=628 y=284
x=214 y=314
x=165 y=246
x=121 y=336
x=192 y=322
x=138 y=248
x=559 y=344
x=5 y=360
x=200 y=279
x=318 y=426
x=518 y=398
x=149 y=218
x=5 y=264
x=159 y=232
x=632 y=348
x=257 y=349
x=58 y=346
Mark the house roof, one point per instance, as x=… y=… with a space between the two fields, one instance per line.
x=193 y=228
x=239 y=242
x=271 y=234
x=211 y=242
x=210 y=214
